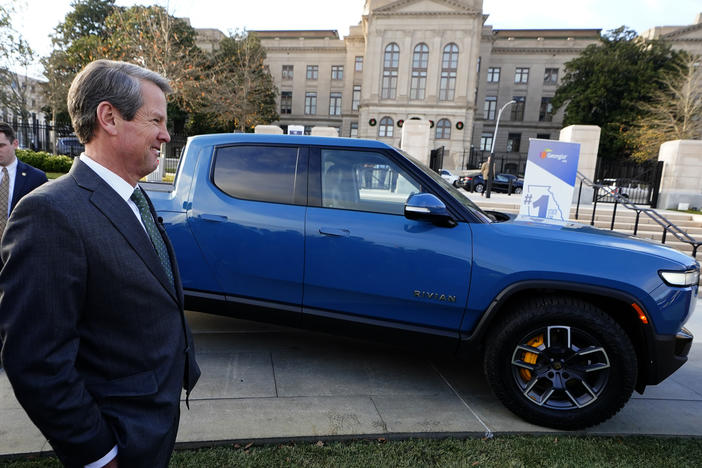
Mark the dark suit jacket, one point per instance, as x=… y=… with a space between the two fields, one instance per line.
x=27 y=179
x=96 y=344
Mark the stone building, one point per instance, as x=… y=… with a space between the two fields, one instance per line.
x=435 y=60
x=424 y=59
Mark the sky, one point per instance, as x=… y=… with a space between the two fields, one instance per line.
x=36 y=19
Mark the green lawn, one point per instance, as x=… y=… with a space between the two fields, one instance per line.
x=53 y=175
x=503 y=451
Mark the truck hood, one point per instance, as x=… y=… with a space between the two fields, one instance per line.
x=588 y=235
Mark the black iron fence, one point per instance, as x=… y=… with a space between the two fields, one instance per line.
x=637 y=181
x=36 y=135
x=505 y=163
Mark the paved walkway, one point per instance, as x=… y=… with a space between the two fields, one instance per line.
x=263 y=382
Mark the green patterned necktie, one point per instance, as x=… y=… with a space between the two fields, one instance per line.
x=156 y=239
x=4 y=197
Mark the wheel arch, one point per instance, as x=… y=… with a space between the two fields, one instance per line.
x=615 y=303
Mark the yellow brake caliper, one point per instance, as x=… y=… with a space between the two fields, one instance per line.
x=530 y=358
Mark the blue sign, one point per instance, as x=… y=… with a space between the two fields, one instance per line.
x=549 y=179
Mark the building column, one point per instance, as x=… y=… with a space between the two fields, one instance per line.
x=589 y=138
x=682 y=174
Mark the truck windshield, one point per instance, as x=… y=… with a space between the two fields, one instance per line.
x=455 y=193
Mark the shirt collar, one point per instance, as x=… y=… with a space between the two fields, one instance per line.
x=123 y=188
x=12 y=167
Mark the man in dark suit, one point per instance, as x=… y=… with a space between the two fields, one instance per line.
x=96 y=344
x=17 y=178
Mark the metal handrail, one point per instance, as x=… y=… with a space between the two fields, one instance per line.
x=667 y=225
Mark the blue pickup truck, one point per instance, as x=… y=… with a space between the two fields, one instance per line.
x=355 y=236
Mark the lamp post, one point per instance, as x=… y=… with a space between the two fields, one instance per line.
x=491 y=164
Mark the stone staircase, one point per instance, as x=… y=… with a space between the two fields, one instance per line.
x=624 y=220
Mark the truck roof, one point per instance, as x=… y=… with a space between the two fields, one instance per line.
x=223 y=138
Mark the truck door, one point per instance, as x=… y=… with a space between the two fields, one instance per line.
x=247 y=217
x=365 y=260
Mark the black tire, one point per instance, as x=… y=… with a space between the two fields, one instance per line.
x=479 y=188
x=581 y=372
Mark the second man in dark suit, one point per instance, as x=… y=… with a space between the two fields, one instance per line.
x=17 y=178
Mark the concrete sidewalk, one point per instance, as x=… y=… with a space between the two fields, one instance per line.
x=265 y=383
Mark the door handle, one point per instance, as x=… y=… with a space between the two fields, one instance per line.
x=212 y=217
x=334 y=232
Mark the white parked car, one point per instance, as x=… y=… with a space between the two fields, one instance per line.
x=449 y=176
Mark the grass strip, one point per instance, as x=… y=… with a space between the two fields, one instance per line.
x=502 y=451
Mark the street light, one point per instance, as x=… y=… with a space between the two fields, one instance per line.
x=491 y=165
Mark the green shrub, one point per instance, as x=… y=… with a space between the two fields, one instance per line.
x=44 y=161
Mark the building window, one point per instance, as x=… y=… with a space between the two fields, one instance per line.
x=286 y=102
x=358 y=64
x=420 y=59
x=354 y=130
x=490 y=107
x=479 y=60
x=449 y=66
x=335 y=104
x=312 y=72
x=356 y=97
x=546 y=110
x=337 y=72
x=551 y=76
x=486 y=142
x=543 y=136
x=390 y=63
x=443 y=129
x=287 y=72
x=493 y=75
x=513 y=140
x=521 y=75
x=517 y=111
x=310 y=103
x=385 y=128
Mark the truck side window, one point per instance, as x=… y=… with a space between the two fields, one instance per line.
x=260 y=173
x=364 y=181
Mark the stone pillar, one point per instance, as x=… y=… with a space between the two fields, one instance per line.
x=324 y=131
x=589 y=138
x=682 y=174
x=268 y=129
x=415 y=139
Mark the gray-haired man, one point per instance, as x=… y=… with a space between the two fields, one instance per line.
x=96 y=344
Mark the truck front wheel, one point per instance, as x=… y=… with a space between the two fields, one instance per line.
x=561 y=363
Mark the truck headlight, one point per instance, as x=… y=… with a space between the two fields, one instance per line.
x=681 y=278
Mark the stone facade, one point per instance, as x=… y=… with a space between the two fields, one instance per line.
x=420 y=59
x=389 y=69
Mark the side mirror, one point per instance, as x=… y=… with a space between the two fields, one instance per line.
x=427 y=207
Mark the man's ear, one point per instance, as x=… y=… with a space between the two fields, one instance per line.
x=15 y=143
x=106 y=117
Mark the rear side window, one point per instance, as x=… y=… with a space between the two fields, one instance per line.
x=261 y=173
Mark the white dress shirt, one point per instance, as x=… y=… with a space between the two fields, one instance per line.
x=123 y=188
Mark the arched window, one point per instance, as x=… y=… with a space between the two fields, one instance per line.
x=443 y=129
x=386 y=127
x=449 y=66
x=420 y=58
x=390 y=63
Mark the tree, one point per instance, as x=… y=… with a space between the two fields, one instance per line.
x=16 y=56
x=674 y=113
x=240 y=87
x=78 y=40
x=608 y=82
x=151 y=38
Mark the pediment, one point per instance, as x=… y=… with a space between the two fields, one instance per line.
x=430 y=7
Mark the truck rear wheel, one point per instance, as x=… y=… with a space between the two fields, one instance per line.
x=561 y=363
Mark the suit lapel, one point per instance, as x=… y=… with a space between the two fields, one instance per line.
x=115 y=209
x=20 y=182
